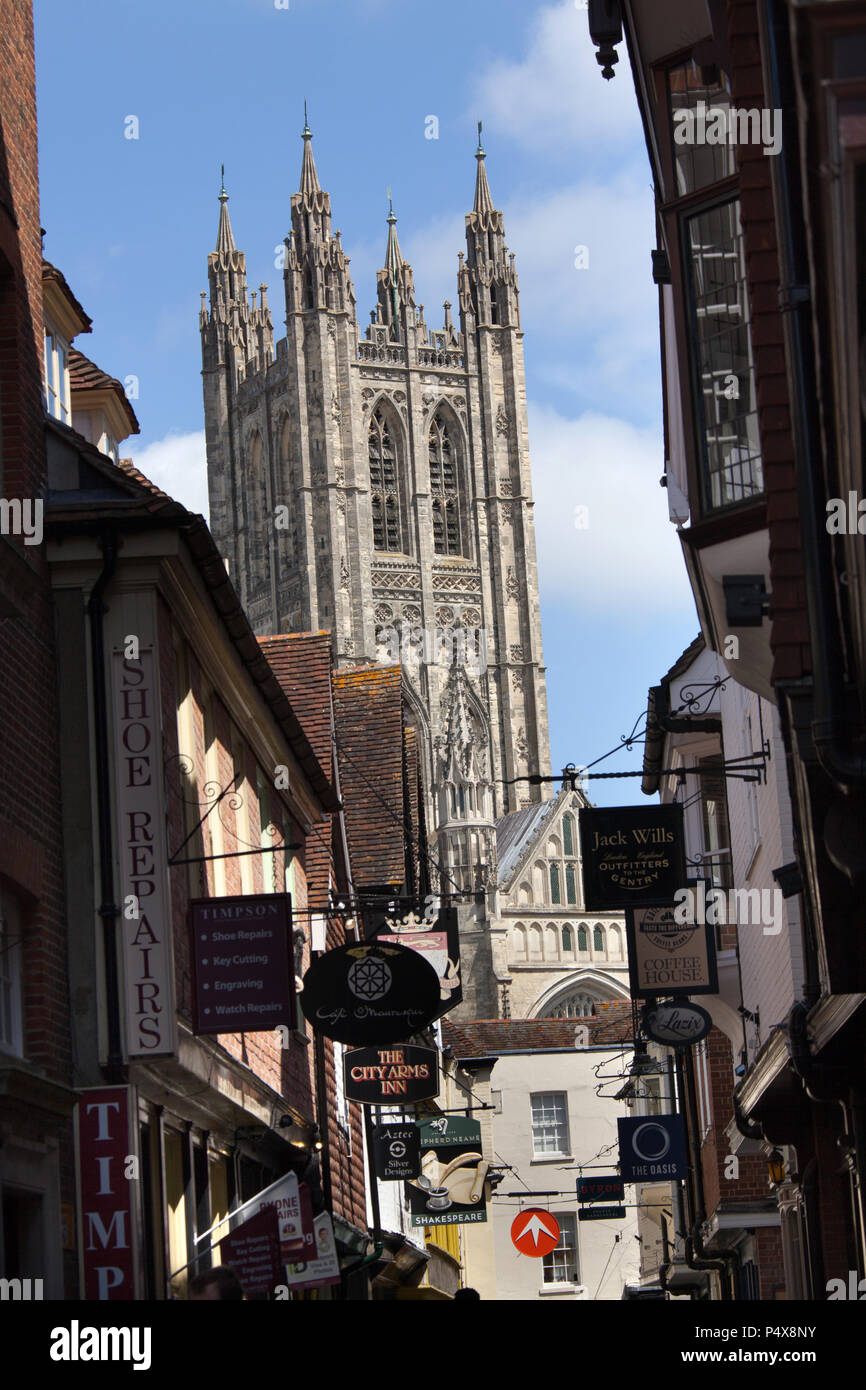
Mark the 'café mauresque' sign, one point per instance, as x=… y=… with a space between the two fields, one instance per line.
x=370 y=992
x=632 y=855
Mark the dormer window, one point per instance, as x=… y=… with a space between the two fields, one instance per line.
x=57 y=393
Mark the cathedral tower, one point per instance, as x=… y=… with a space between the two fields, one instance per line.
x=379 y=486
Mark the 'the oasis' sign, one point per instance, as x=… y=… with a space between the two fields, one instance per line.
x=632 y=855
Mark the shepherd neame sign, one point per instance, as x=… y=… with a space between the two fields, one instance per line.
x=632 y=855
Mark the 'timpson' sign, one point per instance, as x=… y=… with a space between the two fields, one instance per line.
x=106 y=1192
x=146 y=919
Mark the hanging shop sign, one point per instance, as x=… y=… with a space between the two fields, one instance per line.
x=324 y=1267
x=652 y=1148
x=107 y=1164
x=240 y=955
x=450 y=1186
x=535 y=1232
x=148 y=957
x=436 y=937
x=392 y=1075
x=397 y=1151
x=676 y=1025
x=371 y=992
x=632 y=855
x=292 y=1203
x=606 y=1188
x=253 y=1252
x=600 y=1213
x=667 y=957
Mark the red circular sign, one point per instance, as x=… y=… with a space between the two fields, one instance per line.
x=535 y=1232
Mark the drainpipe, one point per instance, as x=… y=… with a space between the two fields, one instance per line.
x=108 y=908
x=843 y=764
x=696 y=1256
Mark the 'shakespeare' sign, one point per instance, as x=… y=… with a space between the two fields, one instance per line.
x=392 y=1075
x=106 y=1145
x=148 y=966
x=669 y=958
x=240 y=954
x=632 y=855
x=370 y=992
x=450 y=1187
x=652 y=1148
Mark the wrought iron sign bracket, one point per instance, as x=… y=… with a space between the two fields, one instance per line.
x=175 y=858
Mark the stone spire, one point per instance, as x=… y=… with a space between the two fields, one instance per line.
x=317 y=268
x=394 y=283
x=488 y=280
x=309 y=176
x=483 y=200
x=225 y=237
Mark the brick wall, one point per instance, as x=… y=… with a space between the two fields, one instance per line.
x=30 y=820
x=790 y=635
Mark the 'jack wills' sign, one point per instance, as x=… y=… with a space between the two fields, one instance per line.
x=146 y=911
x=632 y=855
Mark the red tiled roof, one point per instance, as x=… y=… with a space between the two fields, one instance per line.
x=301 y=662
x=84 y=375
x=50 y=272
x=128 y=467
x=611 y=1023
x=368 y=704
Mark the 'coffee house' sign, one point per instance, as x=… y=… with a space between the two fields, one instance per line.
x=632 y=855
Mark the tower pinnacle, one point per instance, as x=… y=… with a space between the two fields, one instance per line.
x=483 y=200
x=309 y=176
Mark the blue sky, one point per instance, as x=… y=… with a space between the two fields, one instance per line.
x=130 y=223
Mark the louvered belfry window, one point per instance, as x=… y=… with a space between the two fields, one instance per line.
x=384 y=485
x=445 y=492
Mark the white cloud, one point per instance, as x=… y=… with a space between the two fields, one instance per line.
x=627 y=561
x=177 y=464
x=600 y=322
x=555 y=99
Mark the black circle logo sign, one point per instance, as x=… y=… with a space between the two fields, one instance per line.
x=370 y=992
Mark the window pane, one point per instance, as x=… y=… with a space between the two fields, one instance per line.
x=570 y=884
x=699 y=101
x=549 y=1123
x=567 y=835
x=561 y=1265
x=555 y=895
x=732 y=470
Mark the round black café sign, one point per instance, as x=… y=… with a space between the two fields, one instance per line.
x=370 y=992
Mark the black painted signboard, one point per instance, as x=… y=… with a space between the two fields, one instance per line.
x=396 y=1074
x=397 y=1151
x=370 y=992
x=632 y=856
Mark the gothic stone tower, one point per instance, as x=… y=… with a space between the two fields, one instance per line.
x=379 y=486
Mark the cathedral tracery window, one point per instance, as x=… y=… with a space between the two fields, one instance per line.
x=384 y=485
x=445 y=488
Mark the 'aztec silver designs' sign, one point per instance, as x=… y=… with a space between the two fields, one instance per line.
x=146 y=902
